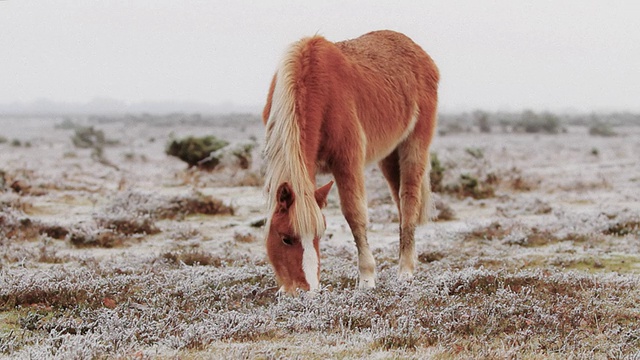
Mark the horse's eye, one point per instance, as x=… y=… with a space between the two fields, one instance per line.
x=287 y=240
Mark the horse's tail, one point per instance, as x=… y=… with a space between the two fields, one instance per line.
x=427 y=206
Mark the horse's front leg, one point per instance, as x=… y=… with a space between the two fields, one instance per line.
x=353 y=201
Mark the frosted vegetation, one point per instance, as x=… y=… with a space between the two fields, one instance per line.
x=110 y=248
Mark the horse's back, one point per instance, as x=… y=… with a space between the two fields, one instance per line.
x=392 y=80
x=388 y=53
x=363 y=94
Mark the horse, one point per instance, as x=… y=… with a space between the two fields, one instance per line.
x=335 y=108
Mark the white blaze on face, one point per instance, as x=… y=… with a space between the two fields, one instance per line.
x=310 y=263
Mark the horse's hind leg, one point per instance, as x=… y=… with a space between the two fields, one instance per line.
x=353 y=201
x=413 y=160
x=390 y=168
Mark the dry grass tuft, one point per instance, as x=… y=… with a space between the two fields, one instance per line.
x=430 y=256
x=176 y=207
x=193 y=258
x=495 y=230
x=244 y=236
x=194 y=204
x=518 y=234
x=623 y=228
x=128 y=225
x=470 y=186
x=96 y=237
x=57 y=232
x=444 y=211
x=539 y=237
x=15 y=225
x=247 y=178
x=517 y=181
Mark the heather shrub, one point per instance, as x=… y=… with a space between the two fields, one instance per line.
x=601 y=129
x=196 y=151
x=531 y=122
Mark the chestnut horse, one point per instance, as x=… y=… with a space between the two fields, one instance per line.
x=336 y=107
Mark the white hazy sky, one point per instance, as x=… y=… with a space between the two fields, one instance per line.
x=498 y=55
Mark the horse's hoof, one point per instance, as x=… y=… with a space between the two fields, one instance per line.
x=367 y=284
x=405 y=276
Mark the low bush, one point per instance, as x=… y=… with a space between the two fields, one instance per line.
x=437 y=173
x=133 y=215
x=531 y=122
x=192 y=258
x=470 y=186
x=601 y=129
x=88 y=137
x=67 y=124
x=196 y=151
x=3 y=180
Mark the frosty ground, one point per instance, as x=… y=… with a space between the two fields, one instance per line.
x=123 y=252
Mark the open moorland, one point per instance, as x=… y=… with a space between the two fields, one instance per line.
x=111 y=248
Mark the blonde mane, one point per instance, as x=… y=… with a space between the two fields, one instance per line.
x=284 y=153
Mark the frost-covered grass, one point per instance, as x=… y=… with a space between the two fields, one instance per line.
x=476 y=297
x=151 y=260
x=120 y=308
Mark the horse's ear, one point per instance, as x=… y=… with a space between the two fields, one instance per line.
x=285 y=196
x=322 y=193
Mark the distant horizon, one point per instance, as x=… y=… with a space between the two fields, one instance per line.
x=112 y=106
x=106 y=106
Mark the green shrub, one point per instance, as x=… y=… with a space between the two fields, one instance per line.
x=482 y=120
x=531 y=122
x=88 y=137
x=243 y=154
x=196 y=151
x=67 y=124
x=601 y=129
x=470 y=186
x=476 y=153
x=437 y=173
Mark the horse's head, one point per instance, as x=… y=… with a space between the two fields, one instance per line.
x=295 y=258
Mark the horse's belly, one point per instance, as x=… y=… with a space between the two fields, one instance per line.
x=384 y=142
x=375 y=154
